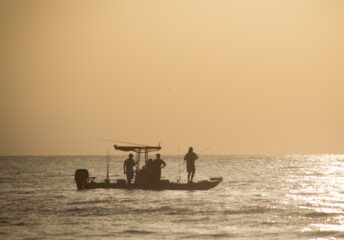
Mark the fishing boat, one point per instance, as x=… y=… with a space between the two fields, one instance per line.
x=84 y=181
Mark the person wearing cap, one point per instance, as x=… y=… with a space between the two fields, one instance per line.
x=157 y=165
x=129 y=168
x=190 y=159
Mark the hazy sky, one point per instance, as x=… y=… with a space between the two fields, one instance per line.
x=252 y=76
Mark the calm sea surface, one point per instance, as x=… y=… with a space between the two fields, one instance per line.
x=261 y=197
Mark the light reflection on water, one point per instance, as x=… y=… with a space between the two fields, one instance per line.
x=285 y=197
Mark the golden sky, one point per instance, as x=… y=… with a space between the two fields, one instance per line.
x=254 y=77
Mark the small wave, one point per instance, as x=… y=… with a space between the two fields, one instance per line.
x=247 y=211
x=87 y=211
x=102 y=211
x=19 y=224
x=321 y=214
x=174 y=213
x=210 y=236
x=269 y=223
x=165 y=209
x=318 y=234
x=138 y=232
x=127 y=200
x=307 y=193
x=89 y=202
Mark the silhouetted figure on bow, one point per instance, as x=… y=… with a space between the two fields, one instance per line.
x=190 y=159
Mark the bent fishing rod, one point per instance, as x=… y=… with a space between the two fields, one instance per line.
x=205 y=149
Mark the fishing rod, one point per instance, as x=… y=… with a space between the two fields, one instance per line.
x=115 y=141
x=206 y=148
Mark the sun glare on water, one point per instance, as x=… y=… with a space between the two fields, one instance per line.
x=319 y=193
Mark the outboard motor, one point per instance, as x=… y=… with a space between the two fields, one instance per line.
x=81 y=176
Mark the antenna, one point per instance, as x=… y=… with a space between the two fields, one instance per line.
x=107 y=164
x=178 y=181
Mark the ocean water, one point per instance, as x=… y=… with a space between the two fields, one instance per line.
x=261 y=197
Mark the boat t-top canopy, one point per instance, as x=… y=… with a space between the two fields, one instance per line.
x=138 y=149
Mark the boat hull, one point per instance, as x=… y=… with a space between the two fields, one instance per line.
x=203 y=185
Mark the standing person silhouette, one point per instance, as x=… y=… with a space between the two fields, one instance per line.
x=128 y=167
x=157 y=165
x=190 y=159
